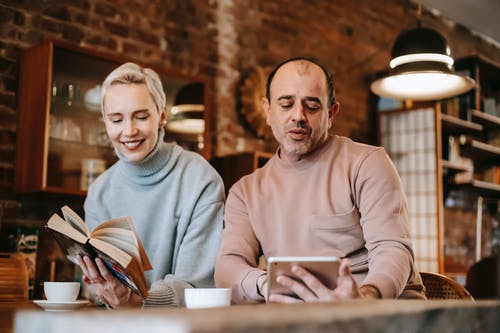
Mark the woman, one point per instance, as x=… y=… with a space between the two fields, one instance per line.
x=175 y=198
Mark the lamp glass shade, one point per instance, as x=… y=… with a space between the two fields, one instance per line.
x=186 y=116
x=421 y=69
x=187 y=119
x=187 y=126
x=422 y=86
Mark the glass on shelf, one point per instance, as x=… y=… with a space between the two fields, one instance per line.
x=65 y=93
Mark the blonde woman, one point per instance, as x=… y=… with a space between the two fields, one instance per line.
x=174 y=197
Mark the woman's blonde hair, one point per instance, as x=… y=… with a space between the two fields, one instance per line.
x=131 y=73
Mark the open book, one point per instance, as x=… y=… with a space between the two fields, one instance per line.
x=114 y=241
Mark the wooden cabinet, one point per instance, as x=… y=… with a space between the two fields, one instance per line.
x=233 y=167
x=471 y=191
x=61 y=139
x=448 y=156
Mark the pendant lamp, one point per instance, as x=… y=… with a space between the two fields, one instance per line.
x=187 y=114
x=421 y=69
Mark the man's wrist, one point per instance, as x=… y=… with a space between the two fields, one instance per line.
x=369 y=291
x=260 y=284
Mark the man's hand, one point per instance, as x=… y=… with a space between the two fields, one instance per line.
x=262 y=286
x=312 y=290
x=108 y=289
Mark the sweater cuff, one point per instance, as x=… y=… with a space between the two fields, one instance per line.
x=249 y=285
x=383 y=283
x=161 y=297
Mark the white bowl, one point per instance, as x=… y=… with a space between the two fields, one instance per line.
x=197 y=298
x=61 y=291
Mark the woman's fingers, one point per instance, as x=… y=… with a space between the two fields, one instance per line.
x=92 y=271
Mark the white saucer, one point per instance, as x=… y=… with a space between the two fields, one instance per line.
x=60 y=306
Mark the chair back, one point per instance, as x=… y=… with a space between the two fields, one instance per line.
x=13 y=277
x=438 y=286
x=483 y=278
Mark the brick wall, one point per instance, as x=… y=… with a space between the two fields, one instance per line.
x=223 y=40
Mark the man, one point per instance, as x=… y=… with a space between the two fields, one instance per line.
x=319 y=195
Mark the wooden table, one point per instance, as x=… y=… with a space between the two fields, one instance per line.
x=7 y=311
x=348 y=317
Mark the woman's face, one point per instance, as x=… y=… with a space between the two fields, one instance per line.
x=132 y=120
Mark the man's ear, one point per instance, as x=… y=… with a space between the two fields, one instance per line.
x=332 y=113
x=265 y=106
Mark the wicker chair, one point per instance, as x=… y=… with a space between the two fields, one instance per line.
x=13 y=277
x=438 y=286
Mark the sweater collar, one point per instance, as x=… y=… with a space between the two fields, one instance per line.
x=147 y=170
x=306 y=161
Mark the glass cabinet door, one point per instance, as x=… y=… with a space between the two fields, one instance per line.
x=62 y=144
x=78 y=146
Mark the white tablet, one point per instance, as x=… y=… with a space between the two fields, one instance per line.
x=324 y=269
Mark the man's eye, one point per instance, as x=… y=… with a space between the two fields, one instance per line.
x=313 y=107
x=286 y=106
x=115 y=120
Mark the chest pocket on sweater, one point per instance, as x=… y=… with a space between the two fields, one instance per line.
x=340 y=232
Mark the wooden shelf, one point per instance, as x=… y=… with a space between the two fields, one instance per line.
x=488 y=121
x=483 y=154
x=454 y=125
x=452 y=167
x=486 y=189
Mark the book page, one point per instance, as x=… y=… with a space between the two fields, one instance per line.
x=127 y=224
x=60 y=225
x=122 y=257
x=75 y=220
x=124 y=243
x=122 y=234
x=124 y=222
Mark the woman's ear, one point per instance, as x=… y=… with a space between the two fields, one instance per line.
x=163 y=119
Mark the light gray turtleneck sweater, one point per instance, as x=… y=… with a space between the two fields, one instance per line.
x=176 y=201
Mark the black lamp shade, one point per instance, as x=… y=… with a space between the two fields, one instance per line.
x=421 y=69
x=420 y=40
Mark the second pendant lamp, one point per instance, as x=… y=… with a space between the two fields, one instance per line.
x=421 y=69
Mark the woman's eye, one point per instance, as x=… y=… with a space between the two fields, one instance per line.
x=142 y=116
x=115 y=120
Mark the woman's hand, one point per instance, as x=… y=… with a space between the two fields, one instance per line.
x=107 y=288
x=312 y=290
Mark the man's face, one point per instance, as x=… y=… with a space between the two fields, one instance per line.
x=298 y=111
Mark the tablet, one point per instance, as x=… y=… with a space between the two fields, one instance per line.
x=324 y=269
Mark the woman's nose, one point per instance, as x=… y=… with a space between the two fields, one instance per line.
x=130 y=128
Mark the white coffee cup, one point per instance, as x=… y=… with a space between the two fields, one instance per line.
x=197 y=298
x=61 y=291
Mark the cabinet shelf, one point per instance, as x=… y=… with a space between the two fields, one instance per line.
x=489 y=121
x=452 y=167
x=454 y=125
x=485 y=189
x=483 y=154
